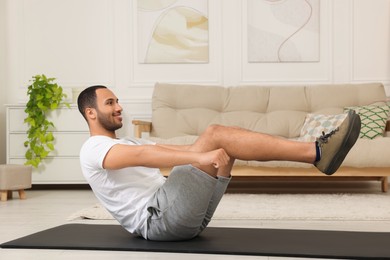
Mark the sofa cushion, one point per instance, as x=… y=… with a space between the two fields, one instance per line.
x=316 y=124
x=325 y=97
x=373 y=119
x=369 y=153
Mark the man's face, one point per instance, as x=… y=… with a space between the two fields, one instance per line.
x=108 y=110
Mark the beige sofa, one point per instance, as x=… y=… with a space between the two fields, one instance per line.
x=181 y=112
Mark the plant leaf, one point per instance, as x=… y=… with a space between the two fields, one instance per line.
x=44 y=94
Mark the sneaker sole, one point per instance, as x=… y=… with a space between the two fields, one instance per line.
x=349 y=141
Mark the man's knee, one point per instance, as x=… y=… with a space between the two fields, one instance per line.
x=208 y=140
x=213 y=129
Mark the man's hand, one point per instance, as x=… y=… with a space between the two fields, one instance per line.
x=217 y=158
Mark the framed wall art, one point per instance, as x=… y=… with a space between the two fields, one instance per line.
x=172 y=31
x=283 y=30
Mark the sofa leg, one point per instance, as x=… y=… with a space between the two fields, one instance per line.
x=385 y=184
x=4 y=195
x=22 y=194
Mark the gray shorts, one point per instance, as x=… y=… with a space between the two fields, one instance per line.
x=182 y=208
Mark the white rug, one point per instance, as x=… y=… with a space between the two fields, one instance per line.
x=286 y=207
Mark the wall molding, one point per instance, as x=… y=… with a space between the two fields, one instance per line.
x=354 y=77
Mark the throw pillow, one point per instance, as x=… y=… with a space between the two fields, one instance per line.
x=315 y=124
x=373 y=120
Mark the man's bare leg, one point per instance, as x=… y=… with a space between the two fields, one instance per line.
x=248 y=145
x=327 y=153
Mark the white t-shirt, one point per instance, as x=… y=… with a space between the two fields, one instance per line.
x=125 y=192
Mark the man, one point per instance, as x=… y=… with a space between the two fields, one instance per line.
x=124 y=174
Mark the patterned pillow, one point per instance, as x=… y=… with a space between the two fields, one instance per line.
x=373 y=120
x=315 y=124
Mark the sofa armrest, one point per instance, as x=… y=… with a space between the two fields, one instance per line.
x=141 y=127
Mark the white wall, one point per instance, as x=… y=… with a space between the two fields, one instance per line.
x=85 y=42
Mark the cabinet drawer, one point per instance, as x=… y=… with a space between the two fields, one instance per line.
x=56 y=171
x=65 y=144
x=64 y=119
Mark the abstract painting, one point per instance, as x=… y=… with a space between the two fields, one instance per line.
x=173 y=31
x=283 y=30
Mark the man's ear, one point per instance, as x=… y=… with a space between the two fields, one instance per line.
x=90 y=113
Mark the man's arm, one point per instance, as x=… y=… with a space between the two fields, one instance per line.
x=157 y=156
x=178 y=147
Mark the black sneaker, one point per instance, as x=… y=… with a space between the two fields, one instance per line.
x=335 y=145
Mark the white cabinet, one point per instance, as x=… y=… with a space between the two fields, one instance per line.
x=62 y=166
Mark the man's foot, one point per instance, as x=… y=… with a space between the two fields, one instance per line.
x=335 y=145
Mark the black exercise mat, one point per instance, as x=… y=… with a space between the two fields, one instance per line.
x=230 y=241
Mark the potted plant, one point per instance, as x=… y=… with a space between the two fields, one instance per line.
x=44 y=95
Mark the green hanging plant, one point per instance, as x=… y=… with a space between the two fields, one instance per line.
x=44 y=96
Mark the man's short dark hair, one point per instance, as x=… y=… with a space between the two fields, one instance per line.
x=87 y=98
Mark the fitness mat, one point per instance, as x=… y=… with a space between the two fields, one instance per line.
x=228 y=241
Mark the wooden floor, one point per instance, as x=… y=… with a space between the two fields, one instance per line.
x=49 y=208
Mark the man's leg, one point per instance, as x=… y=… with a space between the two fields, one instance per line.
x=218 y=193
x=184 y=205
x=248 y=145
x=239 y=144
